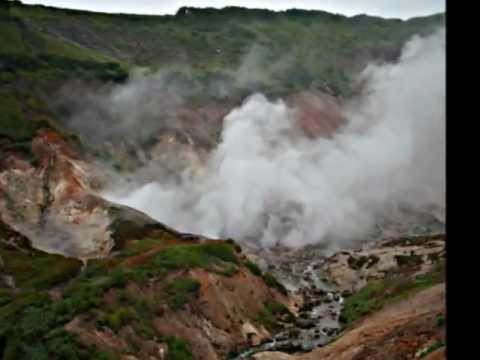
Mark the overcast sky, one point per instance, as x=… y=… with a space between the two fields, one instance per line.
x=386 y=8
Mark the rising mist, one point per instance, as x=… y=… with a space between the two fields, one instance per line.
x=268 y=183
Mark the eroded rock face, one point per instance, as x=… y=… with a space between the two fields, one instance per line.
x=349 y=271
x=221 y=320
x=318 y=114
x=50 y=201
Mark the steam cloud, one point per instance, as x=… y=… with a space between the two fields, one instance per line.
x=268 y=183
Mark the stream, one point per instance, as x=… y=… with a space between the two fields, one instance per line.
x=317 y=322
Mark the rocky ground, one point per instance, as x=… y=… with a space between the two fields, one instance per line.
x=384 y=301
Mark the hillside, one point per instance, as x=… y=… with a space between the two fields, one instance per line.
x=213 y=58
x=285 y=50
x=89 y=99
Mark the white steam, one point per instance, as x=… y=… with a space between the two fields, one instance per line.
x=266 y=182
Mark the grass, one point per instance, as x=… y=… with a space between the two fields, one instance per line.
x=269 y=316
x=331 y=40
x=204 y=256
x=254 y=269
x=378 y=293
x=117 y=318
x=11 y=37
x=424 y=352
x=271 y=281
x=38 y=270
x=180 y=290
x=13 y=124
x=178 y=349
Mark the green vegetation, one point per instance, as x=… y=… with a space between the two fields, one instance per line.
x=117 y=318
x=378 y=293
x=440 y=320
x=36 y=269
x=272 y=313
x=271 y=281
x=31 y=329
x=275 y=52
x=254 y=269
x=13 y=123
x=204 y=256
x=180 y=290
x=424 y=352
x=178 y=349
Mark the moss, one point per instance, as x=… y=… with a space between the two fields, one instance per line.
x=180 y=290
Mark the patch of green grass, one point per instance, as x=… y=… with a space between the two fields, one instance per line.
x=71 y=50
x=135 y=247
x=178 y=349
x=424 y=352
x=11 y=37
x=12 y=122
x=378 y=293
x=117 y=318
x=254 y=269
x=269 y=316
x=32 y=329
x=196 y=255
x=180 y=290
x=37 y=269
x=271 y=281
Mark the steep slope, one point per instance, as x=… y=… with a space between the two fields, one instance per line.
x=161 y=296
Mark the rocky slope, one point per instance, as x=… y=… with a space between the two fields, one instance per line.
x=406 y=330
x=389 y=301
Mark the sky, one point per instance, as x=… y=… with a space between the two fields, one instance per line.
x=403 y=9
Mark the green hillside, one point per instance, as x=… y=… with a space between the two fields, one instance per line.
x=237 y=49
